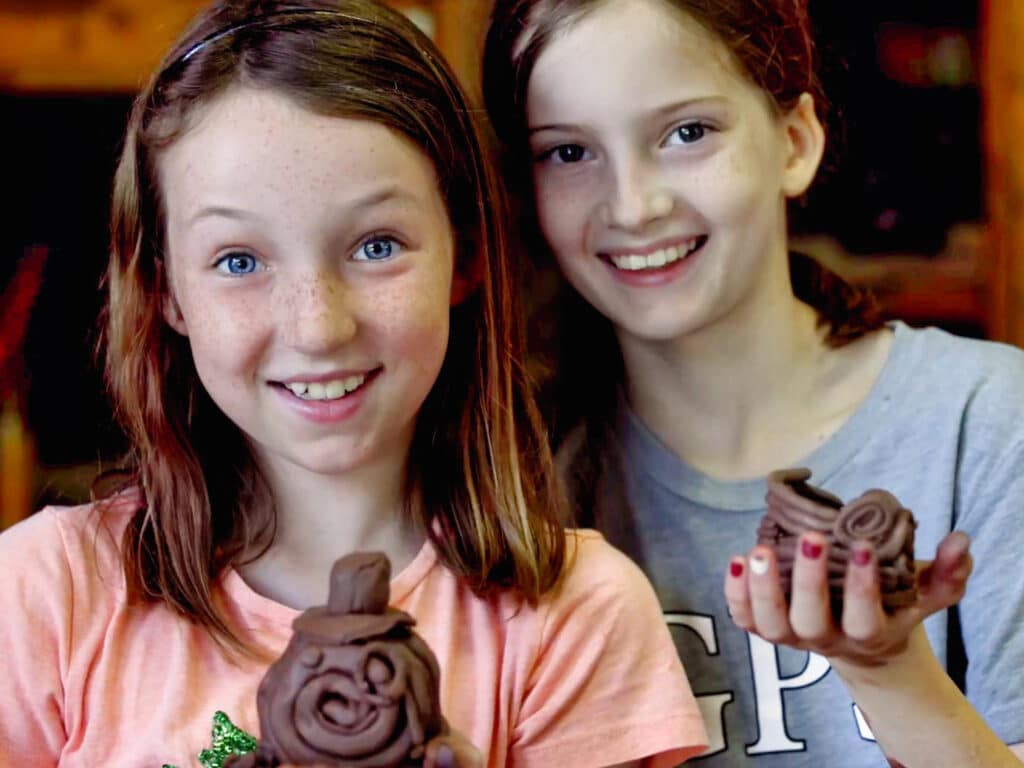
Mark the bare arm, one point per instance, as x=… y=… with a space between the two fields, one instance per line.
x=919 y=716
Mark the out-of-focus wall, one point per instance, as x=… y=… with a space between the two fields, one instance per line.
x=112 y=45
x=1003 y=73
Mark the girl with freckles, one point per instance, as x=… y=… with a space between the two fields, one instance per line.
x=312 y=344
x=655 y=145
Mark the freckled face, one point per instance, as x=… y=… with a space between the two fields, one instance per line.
x=310 y=263
x=659 y=168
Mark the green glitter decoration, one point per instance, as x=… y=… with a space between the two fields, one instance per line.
x=228 y=741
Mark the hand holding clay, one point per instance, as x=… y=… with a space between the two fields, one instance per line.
x=876 y=518
x=823 y=589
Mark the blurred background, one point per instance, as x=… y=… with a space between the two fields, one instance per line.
x=920 y=199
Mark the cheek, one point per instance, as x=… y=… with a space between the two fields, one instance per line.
x=222 y=329
x=749 y=186
x=414 y=323
x=733 y=191
x=561 y=210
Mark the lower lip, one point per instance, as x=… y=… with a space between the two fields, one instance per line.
x=326 y=411
x=656 y=277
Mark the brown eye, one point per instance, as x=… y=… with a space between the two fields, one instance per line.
x=690 y=132
x=568 y=153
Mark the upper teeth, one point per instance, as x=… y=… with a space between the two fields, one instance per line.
x=326 y=390
x=635 y=261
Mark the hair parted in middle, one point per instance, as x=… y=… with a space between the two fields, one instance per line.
x=480 y=462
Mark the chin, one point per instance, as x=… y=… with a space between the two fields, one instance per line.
x=662 y=330
x=335 y=464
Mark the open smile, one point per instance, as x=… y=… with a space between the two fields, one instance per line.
x=656 y=258
x=327 y=389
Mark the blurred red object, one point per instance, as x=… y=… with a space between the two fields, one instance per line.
x=926 y=57
x=16 y=305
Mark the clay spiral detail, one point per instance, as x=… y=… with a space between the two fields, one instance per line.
x=796 y=507
x=355 y=687
x=877 y=517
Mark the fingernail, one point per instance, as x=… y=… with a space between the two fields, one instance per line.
x=759 y=564
x=810 y=550
x=861 y=556
x=445 y=757
x=736 y=569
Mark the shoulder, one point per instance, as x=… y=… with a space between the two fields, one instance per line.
x=980 y=384
x=606 y=665
x=602 y=582
x=595 y=562
x=69 y=545
x=61 y=580
x=957 y=361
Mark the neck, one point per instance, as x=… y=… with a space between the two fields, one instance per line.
x=322 y=517
x=737 y=397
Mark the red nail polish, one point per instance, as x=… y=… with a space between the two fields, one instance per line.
x=736 y=568
x=810 y=550
x=861 y=556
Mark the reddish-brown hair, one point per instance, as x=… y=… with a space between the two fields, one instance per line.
x=771 y=42
x=479 y=459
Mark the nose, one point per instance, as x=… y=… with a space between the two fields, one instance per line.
x=317 y=313
x=636 y=196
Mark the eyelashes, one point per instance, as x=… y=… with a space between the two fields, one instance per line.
x=375 y=248
x=564 y=154
x=238 y=263
x=687 y=133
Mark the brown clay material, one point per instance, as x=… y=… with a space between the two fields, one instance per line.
x=356 y=687
x=796 y=507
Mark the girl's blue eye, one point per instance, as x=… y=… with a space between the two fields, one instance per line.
x=238 y=263
x=688 y=133
x=376 y=249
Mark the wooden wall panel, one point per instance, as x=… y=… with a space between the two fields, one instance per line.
x=112 y=45
x=1003 y=89
x=102 y=46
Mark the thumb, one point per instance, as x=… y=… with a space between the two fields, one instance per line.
x=942 y=582
x=452 y=751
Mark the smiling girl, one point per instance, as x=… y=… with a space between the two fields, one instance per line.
x=659 y=142
x=312 y=344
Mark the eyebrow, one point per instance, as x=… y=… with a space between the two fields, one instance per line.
x=673 y=106
x=386 y=193
x=220 y=211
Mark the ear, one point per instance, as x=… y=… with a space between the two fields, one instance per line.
x=465 y=280
x=172 y=313
x=806 y=145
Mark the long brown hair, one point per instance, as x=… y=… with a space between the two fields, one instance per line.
x=479 y=457
x=772 y=43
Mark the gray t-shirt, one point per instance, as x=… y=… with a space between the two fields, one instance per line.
x=942 y=429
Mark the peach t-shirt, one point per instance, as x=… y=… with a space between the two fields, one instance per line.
x=587 y=678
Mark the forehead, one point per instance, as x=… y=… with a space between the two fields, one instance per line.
x=261 y=146
x=647 y=48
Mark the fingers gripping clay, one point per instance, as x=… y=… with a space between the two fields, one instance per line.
x=796 y=507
